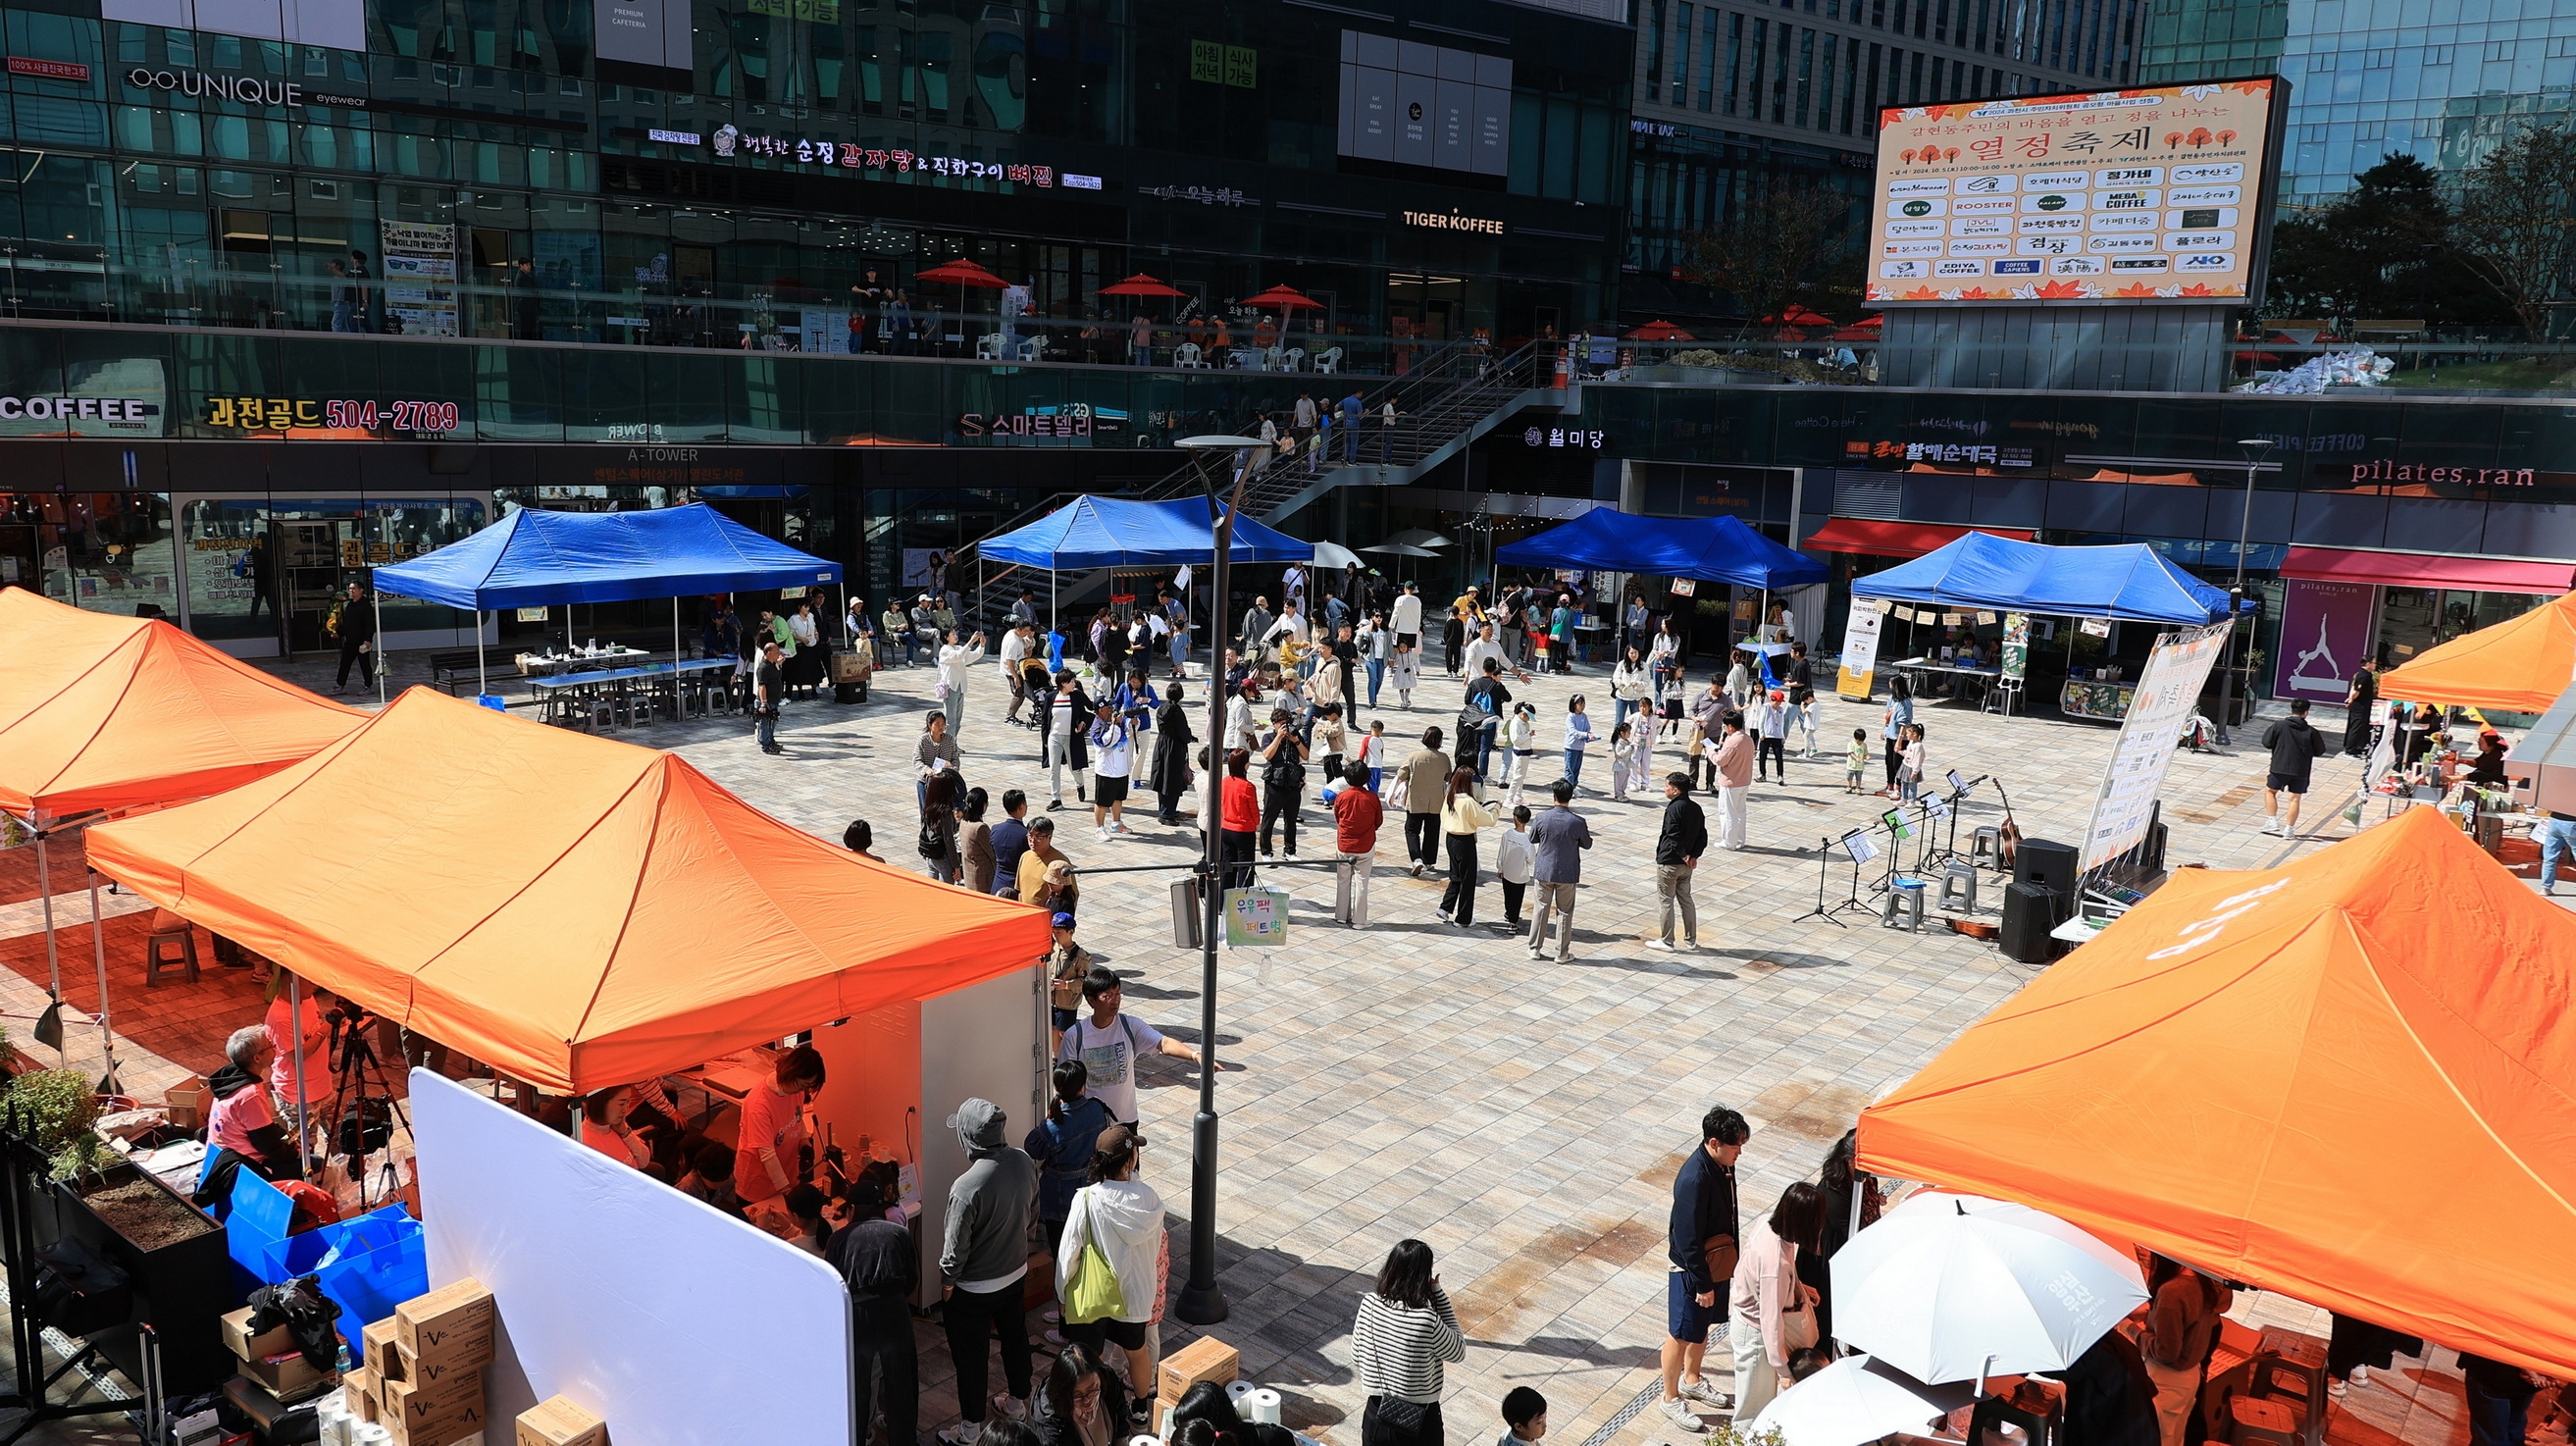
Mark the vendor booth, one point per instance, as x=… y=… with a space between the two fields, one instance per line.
x=644 y=925
x=2348 y=1080
x=1095 y=532
x=2520 y=666
x=534 y=559
x=1990 y=616
x=1688 y=550
x=103 y=715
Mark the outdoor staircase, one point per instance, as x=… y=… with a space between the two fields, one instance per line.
x=1454 y=396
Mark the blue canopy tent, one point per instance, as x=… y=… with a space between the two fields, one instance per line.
x=534 y=558
x=1704 y=549
x=2129 y=581
x=1091 y=532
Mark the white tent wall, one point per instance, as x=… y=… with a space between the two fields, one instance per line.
x=985 y=1041
x=678 y=1325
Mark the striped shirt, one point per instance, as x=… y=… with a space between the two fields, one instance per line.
x=1396 y=1350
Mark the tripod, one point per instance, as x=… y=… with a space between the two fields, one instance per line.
x=358 y=1069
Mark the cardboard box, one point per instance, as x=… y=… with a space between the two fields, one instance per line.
x=415 y=1401
x=287 y=1376
x=247 y=1347
x=443 y=1425
x=362 y=1389
x=1204 y=1359
x=452 y=1325
x=187 y=1103
x=429 y=1374
x=377 y=1349
x=556 y=1421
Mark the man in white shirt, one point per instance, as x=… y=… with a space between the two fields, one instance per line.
x=1016 y=645
x=954 y=659
x=1484 y=647
x=1405 y=618
x=1292 y=584
x=1109 y=1045
x=1291 y=623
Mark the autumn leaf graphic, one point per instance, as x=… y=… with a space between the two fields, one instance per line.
x=1921 y=293
x=1978 y=293
x=2059 y=290
x=2199 y=288
x=2135 y=288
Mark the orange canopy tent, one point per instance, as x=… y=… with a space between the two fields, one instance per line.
x=2520 y=666
x=2350 y=1080
x=575 y=911
x=100 y=713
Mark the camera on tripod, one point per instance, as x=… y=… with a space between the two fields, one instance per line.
x=362 y=1118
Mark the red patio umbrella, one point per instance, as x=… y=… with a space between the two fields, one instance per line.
x=1872 y=322
x=1285 y=299
x=1141 y=284
x=961 y=273
x=1659 y=330
x=1797 y=316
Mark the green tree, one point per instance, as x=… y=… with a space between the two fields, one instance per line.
x=1774 y=248
x=2381 y=249
x=2510 y=227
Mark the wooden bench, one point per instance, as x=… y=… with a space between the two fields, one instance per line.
x=446 y=668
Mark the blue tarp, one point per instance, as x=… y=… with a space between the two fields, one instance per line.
x=1107 y=532
x=534 y=558
x=1980 y=570
x=1707 y=549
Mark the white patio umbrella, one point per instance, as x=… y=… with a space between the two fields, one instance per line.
x=1855 y=1400
x=1958 y=1287
x=1401 y=549
x=1333 y=557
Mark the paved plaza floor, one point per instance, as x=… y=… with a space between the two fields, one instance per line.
x=1417 y=1079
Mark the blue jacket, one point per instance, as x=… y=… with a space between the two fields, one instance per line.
x=1062 y=1149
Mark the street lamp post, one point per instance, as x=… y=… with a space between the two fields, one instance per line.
x=1202 y=1302
x=2255 y=449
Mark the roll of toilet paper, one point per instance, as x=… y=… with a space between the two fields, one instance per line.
x=1235 y=1391
x=371 y=1434
x=1144 y=1441
x=1260 y=1404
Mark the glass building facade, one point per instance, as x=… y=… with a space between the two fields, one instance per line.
x=509 y=171
x=2369 y=77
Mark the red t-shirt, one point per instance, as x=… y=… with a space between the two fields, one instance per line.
x=1242 y=812
x=1356 y=815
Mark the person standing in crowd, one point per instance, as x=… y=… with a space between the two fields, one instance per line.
x=770 y=1141
x=1257 y=620
x=1488 y=703
x=357 y=625
x=1485 y=650
x=2183 y=1311
x=1578 y=737
x=1377 y=648
x=768 y=690
x=1404 y=672
x=1111 y=1044
x=1734 y=768
x=1909 y=769
x=1899 y=717
x=1113 y=755
x=1453 y=642
x=1852 y=1203
x=2360 y=710
x=2295 y=747
x=1631 y=687
x=1172 y=739
x=975 y=842
x=1283 y=779
x=1802 y=696
x=1709 y=712
x=935 y=750
x=1019 y=643
x=1406 y=1330
x=1516 y=737
x=1515 y=863
x=1009 y=842
x=982 y=1259
x=1039 y=860
x=1558 y=838
x=1239 y=819
x=875 y=1258
x=1678 y=845
x=1069 y=714
x=1062 y=1144
x=1700 y=1248
x=1357 y=813
x=1772 y=753
x=1424 y=780
x=2557 y=844
x=1766 y=1293
x=1122 y=1217
x=1404 y=619
x=2355 y=1347
x=1461 y=815
x=2499 y=1400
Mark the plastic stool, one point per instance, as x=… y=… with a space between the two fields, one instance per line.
x=1905 y=896
x=2259 y=1422
x=173 y=945
x=1959 y=886
x=1986 y=847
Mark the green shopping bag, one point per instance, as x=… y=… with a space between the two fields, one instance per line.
x=1094 y=1294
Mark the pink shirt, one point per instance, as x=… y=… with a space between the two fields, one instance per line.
x=317 y=1051
x=1735 y=761
x=770 y=1121
x=236 y=1115
x=624 y=1149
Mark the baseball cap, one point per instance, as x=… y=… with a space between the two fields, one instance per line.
x=1062 y=921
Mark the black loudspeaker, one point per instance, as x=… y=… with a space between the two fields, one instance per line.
x=2030 y=911
x=2041 y=861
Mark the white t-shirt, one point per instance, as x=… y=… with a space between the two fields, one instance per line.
x=1112 y=757
x=1406 y=616
x=1110 y=1055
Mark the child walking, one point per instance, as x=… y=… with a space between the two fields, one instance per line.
x=1909 y=774
x=1578 y=736
x=1622 y=758
x=1373 y=755
x=1403 y=672
x=1331 y=739
x=1517 y=862
x=1856 y=762
x=1772 y=755
x=1520 y=736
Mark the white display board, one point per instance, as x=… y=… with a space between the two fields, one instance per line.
x=1860 y=649
x=679 y=1325
x=2167 y=688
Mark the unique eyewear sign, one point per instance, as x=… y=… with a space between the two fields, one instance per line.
x=2131 y=195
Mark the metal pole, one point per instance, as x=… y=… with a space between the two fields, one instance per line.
x=482 y=675
x=45 y=887
x=2235 y=594
x=98 y=946
x=295 y=1032
x=376 y=599
x=1202 y=1302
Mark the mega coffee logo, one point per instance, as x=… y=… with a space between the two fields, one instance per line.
x=247 y=90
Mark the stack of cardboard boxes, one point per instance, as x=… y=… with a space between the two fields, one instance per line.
x=423 y=1377
x=272 y=1360
x=1204 y=1359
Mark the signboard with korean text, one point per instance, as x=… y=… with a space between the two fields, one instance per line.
x=1860 y=651
x=2016 y=656
x=2168 y=689
x=2161 y=193
x=1256 y=916
x=420 y=277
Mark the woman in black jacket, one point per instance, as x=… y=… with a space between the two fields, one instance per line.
x=1172 y=740
x=1081 y=1398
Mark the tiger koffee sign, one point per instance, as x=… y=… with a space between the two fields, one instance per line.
x=2155 y=194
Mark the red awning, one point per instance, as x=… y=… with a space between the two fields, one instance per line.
x=1895 y=539
x=2421 y=569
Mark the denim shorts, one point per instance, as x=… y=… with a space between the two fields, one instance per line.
x=1686 y=1320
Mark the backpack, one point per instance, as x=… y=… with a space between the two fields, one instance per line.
x=933 y=842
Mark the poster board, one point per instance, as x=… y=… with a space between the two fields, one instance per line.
x=2325 y=639
x=420 y=278
x=676 y=1323
x=2151 y=194
x=1855 y=676
x=2016 y=654
x=2167 y=689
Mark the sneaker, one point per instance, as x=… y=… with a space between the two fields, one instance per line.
x=1539 y=954
x=1677 y=1412
x=2361 y=1375
x=1707 y=1395
x=1565 y=958
x=1052 y=1316
x=2336 y=1388
x=1666 y=945
x=1054 y=1337
x=1103 y=832
x=962 y=1434
x=2271 y=826
x=1054 y=804
x=1443 y=916
x=1417 y=871
x=1011 y=1407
